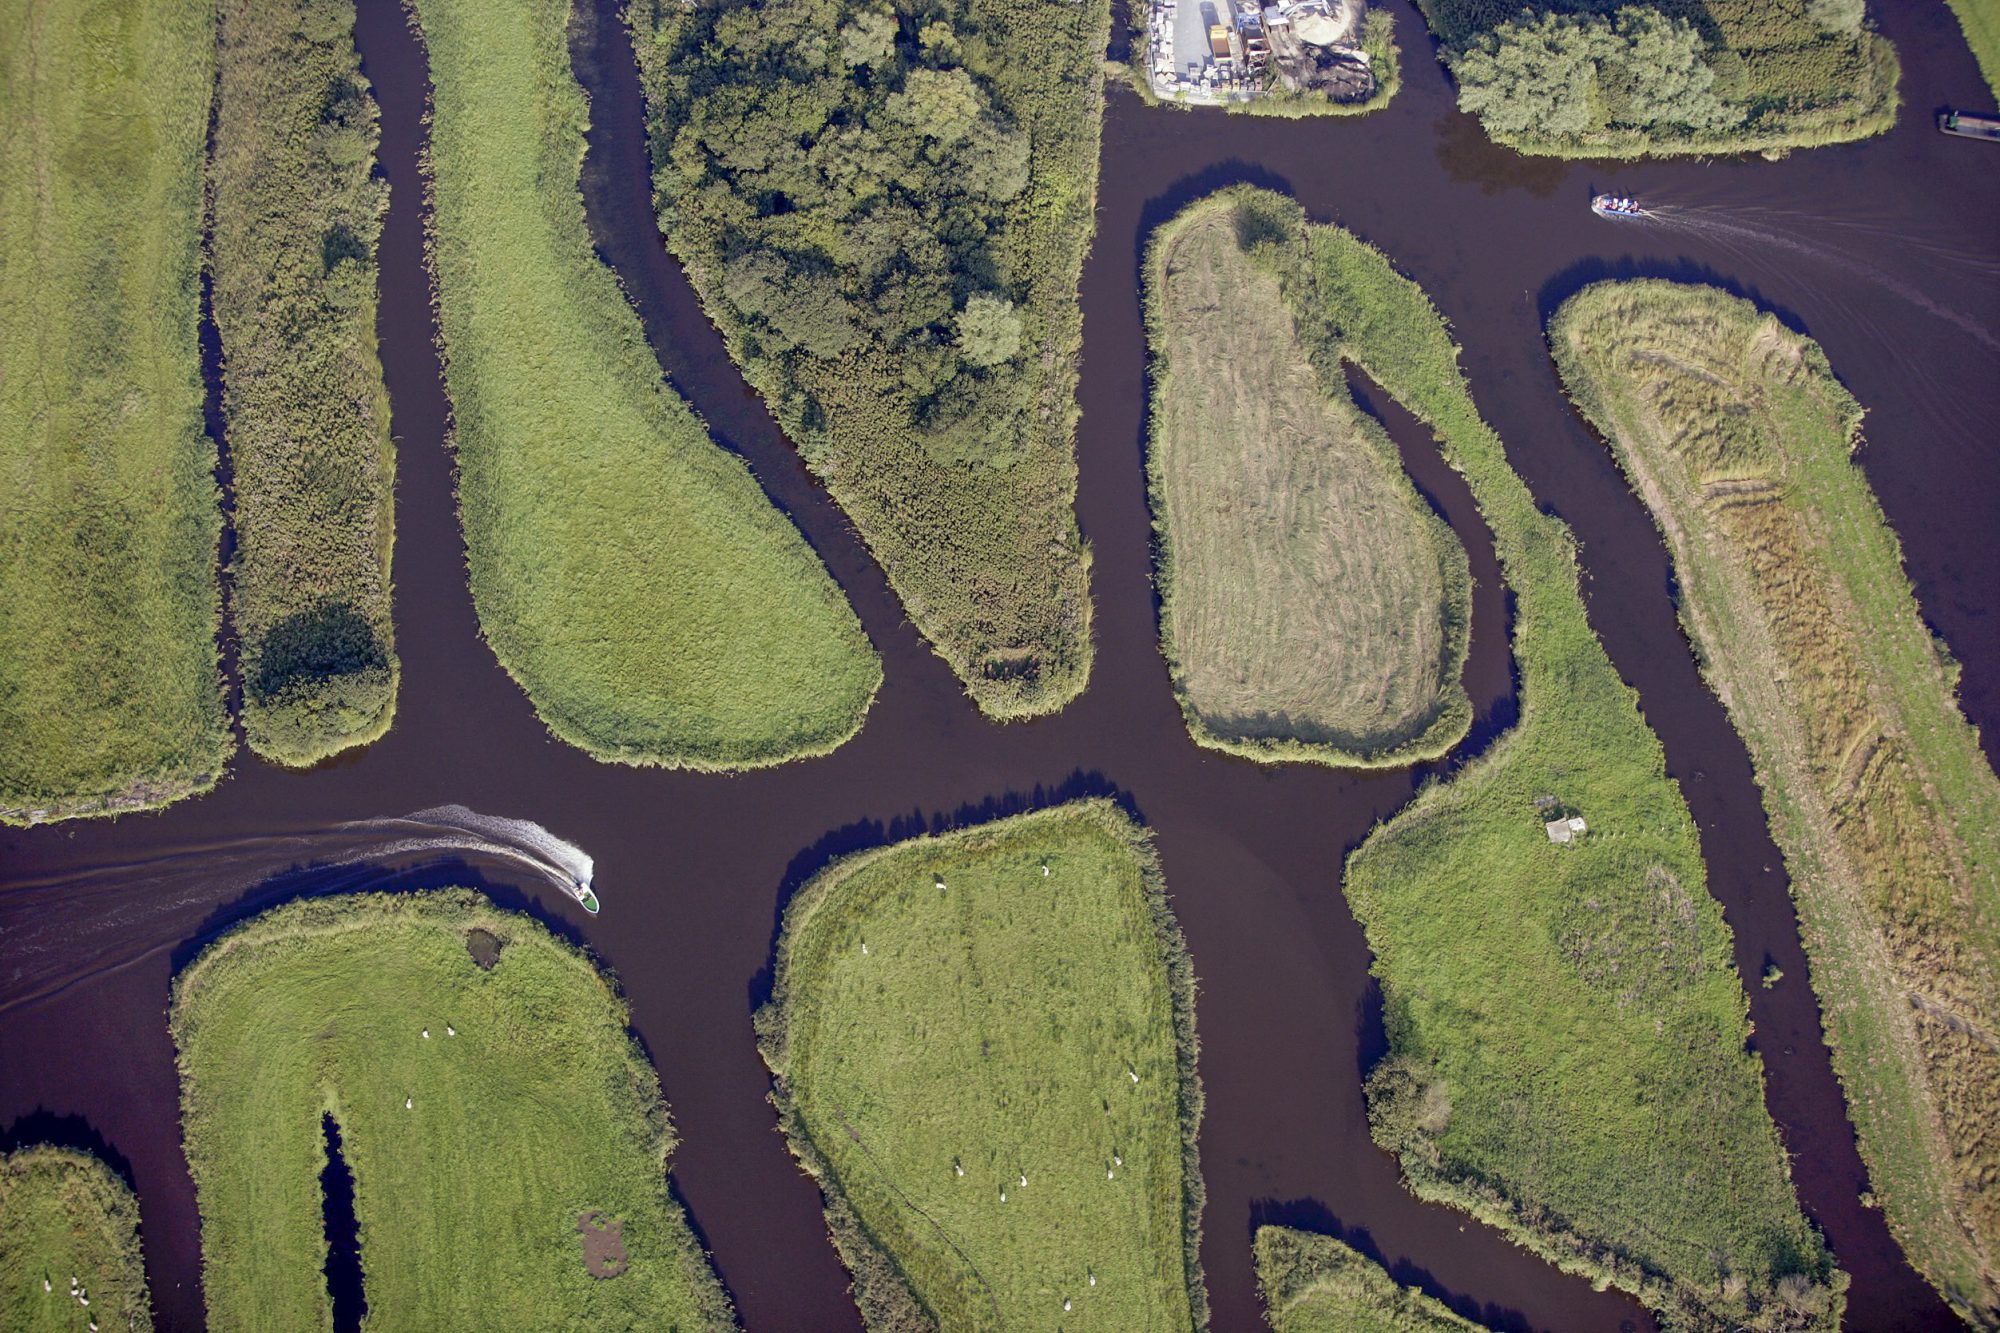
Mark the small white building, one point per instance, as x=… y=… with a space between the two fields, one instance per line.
x=1566 y=830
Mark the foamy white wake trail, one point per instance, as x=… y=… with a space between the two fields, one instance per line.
x=59 y=929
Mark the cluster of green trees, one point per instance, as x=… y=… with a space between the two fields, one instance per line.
x=860 y=165
x=1568 y=74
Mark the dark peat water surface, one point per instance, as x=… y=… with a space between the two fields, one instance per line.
x=1884 y=251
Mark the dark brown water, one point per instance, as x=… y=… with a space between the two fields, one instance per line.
x=1885 y=252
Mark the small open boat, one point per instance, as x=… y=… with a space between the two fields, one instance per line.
x=1969 y=125
x=581 y=892
x=1616 y=206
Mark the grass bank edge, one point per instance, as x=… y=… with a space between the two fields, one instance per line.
x=635 y=357
x=304 y=584
x=1891 y=1099
x=1980 y=21
x=1296 y=1266
x=1454 y=719
x=112 y=1210
x=188 y=751
x=279 y=928
x=883 y=1294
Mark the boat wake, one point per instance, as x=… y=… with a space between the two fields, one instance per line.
x=86 y=921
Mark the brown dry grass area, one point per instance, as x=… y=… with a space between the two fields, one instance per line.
x=1735 y=434
x=1309 y=594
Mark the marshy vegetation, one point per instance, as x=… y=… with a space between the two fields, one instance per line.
x=886 y=211
x=1567 y=1037
x=1312 y=606
x=628 y=572
x=484 y=1110
x=1739 y=439
x=297 y=214
x=69 y=1245
x=984 y=1051
x=1582 y=78
x=110 y=693
x=1316 y=1284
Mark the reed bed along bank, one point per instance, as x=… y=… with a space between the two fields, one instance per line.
x=887 y=213
x=110 y=692
x=1316 y=1284
x=296 y=218
x=487 y=1105
x=1311 y=604
x=629 y=573
x=984 y=1051
x=1735 y=433
x=1567 y=1036
x=69 y=1245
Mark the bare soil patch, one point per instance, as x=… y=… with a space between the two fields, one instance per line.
x=484 y=946
x=603 y=1244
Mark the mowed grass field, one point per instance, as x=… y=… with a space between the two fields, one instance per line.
x=1980 y=19
x=66 y=1219
x=1567 y=1036
x=110 y=694
x=1312 y=607
x=297 y=216
x=1316 y=1284
x=528 y=1105
x=935 y=1045
x=1738 y=437
x=629 y=573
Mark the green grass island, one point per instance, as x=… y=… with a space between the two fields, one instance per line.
x=1740 y=441
x=507 y=1139
x=633 y=576
x=886 y=212
x=1583 y=78
x=983 y=1049
x=296 y=219
x=1316 y=1284
x=1312 y=606
x=1567 y=1035
x=110 y=685
x=69 y=1245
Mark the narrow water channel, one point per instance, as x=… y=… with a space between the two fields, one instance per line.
x=694 y=870
x=343 y=1235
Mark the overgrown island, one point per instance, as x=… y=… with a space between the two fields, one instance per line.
x=984 y=1051
x=1316 y=1284
x=1311 y=604
x=1740 y=441
x=886 y=211
x=506 y=1137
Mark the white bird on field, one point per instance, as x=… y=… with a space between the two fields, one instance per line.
x=1024 y=1180
x=1065 y=1306
x=450 y=1031
x=1003 y=1196
x=956 y=1167
x=47 y=1285
x=1116 y=1160
x=409 y=1103
x=1109 y=1174
x=1045 y=870
x=1132 y=1074
x=864 y=948
x=1093 y=1278
x=427 y=1034
x=940 y=882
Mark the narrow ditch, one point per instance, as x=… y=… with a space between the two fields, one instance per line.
x=343 y=1235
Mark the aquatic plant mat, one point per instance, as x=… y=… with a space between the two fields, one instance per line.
x=886 y=212
x=1567 y=1037
x=1316 y=1284
x=629 y=573
x=1312 y=606
x=483 y=1112
x=110 y=697
x=1739 y=439
x=69 y=1245
x=297 y=218
x=984 y=1051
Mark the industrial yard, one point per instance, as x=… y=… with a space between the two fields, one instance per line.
x=1217 y=52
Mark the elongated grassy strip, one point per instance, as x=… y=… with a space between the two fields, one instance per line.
x=1566 y=1033
x=69 y=1228
x=1315 y=1284
x=956 y=1014
x=110 y=698
x=297 y=217
x=475 y=1149
x=629 y=573
x=1312 y=607
x=1980 y=20
x=1738 y=437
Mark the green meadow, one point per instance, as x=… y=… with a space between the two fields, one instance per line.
x=297 y=216
x=69 y=1245
x=630 y=574
x=110 y=694
x=1567 y=1036
x=1740 y=440
x=984 y=1051
x=1315 y=1284
x=484 y=1111
x=1312 y=606
x=1980 y=20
